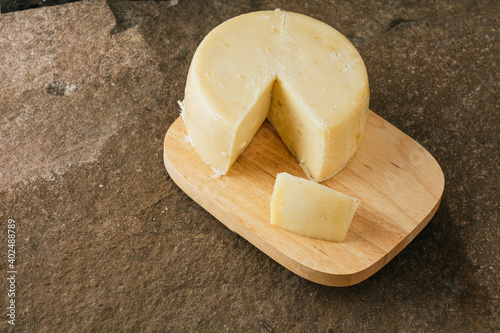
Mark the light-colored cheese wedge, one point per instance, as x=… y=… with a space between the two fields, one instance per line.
x=300 y=73
x=310 y=209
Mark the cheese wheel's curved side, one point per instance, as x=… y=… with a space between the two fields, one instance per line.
x=305 y=76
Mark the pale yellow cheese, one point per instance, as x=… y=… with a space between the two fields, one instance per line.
x=300 y=73
x=310 y=209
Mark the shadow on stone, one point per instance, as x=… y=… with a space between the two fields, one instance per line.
x=7 y=6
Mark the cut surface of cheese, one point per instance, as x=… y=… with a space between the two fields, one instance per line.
x=300 y=73
x=310 y=209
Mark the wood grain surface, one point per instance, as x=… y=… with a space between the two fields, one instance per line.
x=397 y=181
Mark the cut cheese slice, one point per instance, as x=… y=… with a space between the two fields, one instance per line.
x=310 y=209
x=300 y=73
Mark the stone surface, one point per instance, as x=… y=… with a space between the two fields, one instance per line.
x=107 y=242
x=7 y=6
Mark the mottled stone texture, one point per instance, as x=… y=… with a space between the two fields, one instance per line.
x=87 y=92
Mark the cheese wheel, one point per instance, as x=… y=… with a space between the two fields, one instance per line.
x=300 y=73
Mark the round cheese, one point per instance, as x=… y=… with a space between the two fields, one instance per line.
x=300 y=73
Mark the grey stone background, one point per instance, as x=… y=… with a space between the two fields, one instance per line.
x=107 y=242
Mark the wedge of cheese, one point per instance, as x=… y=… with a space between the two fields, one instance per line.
x=310 y=209
x=300 y=73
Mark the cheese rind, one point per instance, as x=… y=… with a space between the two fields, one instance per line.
x=300 y=73
x=310 y=209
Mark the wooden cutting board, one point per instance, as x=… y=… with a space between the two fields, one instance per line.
x=397 y=181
